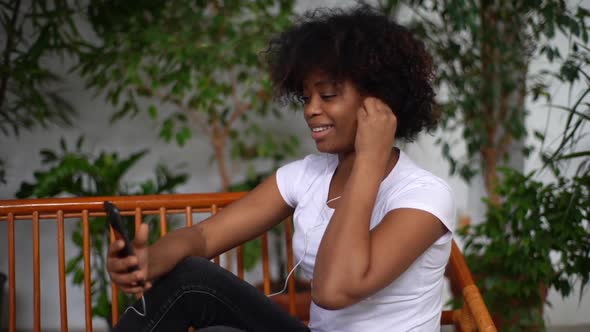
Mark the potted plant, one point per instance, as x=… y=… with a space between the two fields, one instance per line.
x=536 y=239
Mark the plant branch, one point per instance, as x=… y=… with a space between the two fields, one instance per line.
x=218 y=140
x=489 y=55
x=507 y=136
x=178 y=103
x=6 y=56
x=239 y=107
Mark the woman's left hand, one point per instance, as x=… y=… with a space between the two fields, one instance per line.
x=375 y=133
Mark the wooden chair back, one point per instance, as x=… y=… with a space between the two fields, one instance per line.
x=471 y=317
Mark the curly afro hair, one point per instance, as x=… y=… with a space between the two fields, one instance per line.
x=380 y=57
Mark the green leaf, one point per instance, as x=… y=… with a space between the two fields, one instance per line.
x=48 y=156
x=539 y=135
x=153 y=112
x=573 y=155
x=78 y=277
x=183 y=135
x=79 y=143
x=77 y=238
x=73 y=263
x=166 y=130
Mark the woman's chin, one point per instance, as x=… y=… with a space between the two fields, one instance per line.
x=325 y=147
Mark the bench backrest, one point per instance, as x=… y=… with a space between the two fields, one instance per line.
x=472 y=316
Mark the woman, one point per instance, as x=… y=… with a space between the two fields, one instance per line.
x=372 y=230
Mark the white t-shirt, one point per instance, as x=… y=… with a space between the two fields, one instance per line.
x=413 y=301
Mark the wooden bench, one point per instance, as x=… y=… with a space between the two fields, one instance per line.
x=473 y=316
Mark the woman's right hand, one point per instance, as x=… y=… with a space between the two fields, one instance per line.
x=128 y=272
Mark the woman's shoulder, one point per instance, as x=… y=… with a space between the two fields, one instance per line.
x=321 y=159
x=417 y=188
x=409 y=174
x=296 y=177
x=311 y=163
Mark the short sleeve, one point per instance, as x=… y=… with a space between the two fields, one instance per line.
x=433 y=196
x=287 y=178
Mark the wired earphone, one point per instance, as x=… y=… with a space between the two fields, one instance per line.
x=317 y=225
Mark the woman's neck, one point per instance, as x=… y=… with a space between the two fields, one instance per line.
x=346 y=162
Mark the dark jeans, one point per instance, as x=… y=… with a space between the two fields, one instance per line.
x=201 y=294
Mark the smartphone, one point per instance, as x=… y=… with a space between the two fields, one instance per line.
x=116 y=222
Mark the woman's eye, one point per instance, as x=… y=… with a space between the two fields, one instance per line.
x=304 y=99
x=328 y=97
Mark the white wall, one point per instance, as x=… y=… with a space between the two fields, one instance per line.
x=22 y=156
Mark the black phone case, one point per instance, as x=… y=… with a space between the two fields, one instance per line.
x=116 y=223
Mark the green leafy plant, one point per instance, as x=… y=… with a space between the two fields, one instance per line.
x=195 y=68
x=536 y=239
x=201 y=61
x=483 y=52
x=78 y=173
x=571 y=147
x=33 y=31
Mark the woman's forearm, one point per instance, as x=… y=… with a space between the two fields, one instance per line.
x=173 y=248
x=344 y=253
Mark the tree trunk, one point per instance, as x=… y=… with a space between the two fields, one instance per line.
x=490 y=164
x=489 y=57
x=503 y=93
x=218 y=141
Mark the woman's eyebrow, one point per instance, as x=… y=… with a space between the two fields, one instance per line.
x=329 y=83
x=325 y=82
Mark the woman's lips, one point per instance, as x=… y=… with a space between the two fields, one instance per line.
x=320 y=132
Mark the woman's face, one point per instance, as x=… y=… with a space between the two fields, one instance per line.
x=330 y=109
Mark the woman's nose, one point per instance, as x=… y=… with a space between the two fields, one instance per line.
x=312 y=108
